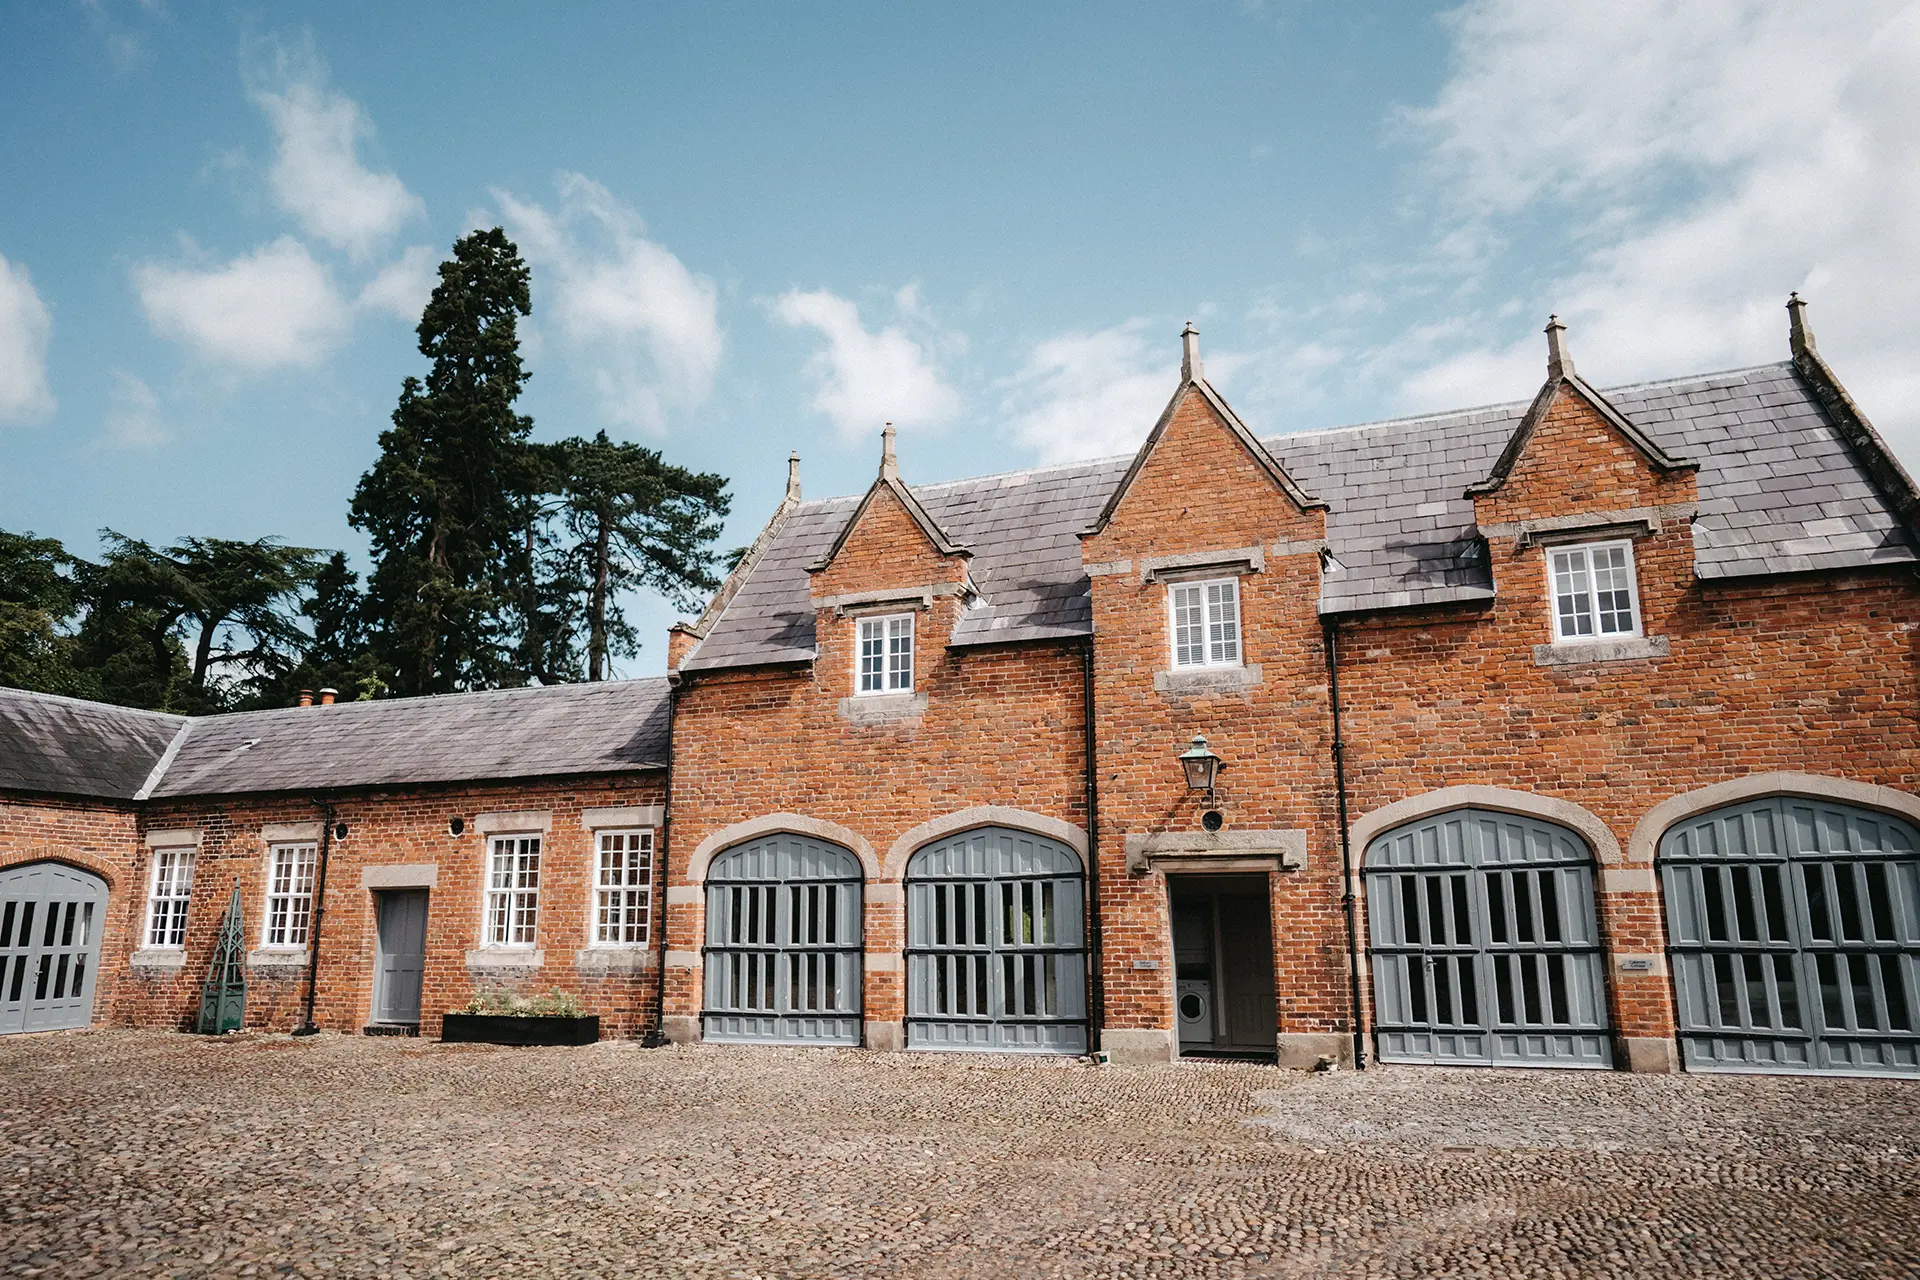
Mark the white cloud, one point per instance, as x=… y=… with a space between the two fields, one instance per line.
x=1707 y=158
x=405 y=284
x=133 y=415
x=25 y=327
x=862 y=378
x=1091 y=395
x=269 y=308
x=623 y=305
x=317 y=176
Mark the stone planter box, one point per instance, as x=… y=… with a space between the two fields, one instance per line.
x=489 y=1028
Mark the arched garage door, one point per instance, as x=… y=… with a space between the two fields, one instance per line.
x=996 y=951
x=783 y=943
x=1485 y=945
x=1794 y=934
x=50 y=921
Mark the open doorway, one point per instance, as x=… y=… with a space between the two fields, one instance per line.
x=1223 y=966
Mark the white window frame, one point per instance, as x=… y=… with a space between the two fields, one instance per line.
x=169 y=899
x=615 y=902
x=1589 y=549
x=288 y=927
x=1216 y=649
x=893 y=632
x=503 y=901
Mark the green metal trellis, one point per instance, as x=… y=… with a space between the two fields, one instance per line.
x=223 y=998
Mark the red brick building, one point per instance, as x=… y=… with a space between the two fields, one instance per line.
x=1579 y=732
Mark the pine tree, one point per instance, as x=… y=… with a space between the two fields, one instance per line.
x=633 y=520
x=446 y=502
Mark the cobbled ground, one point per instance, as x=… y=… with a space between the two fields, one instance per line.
x=146 y=1153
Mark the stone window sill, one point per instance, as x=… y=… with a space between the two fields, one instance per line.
x=1207 y=679
x=1583 y=652
x=632 y=959
x=162 y=961
x=507 y=958
x=881 y=708
x=278 y=962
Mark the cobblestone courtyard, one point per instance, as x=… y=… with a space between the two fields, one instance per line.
x=155 y=1154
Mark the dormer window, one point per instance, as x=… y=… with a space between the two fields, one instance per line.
x=1205 y=619
x=1594 y=597
x=886 y=655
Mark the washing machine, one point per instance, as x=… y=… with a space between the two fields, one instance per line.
x=1193 y=998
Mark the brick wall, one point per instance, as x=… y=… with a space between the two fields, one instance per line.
x=385 y=827
x=101 y=837
x=1000 y=725
x=1201 y=490
x=1813 y=675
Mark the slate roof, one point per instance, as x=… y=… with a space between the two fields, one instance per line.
x=61 y=745
x=1780 y=491
x=64 y=746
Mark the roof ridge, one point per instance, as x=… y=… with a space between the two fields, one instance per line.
x=1436 y=414
x=93 y=702
x=429 y=697
x=1371 y=424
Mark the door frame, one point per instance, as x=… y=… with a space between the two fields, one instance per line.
x=1239 y=884
x=375 y=988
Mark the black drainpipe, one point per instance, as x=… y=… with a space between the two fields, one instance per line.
x=657 y=1037
x=1332 y=633
x=306 y=1027
x=1096 y=973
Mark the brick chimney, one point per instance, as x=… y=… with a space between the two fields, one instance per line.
x=327 y=696
x=306 y=697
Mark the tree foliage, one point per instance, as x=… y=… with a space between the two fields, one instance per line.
x=632 y=520
x=445 y=505
x=496 y=560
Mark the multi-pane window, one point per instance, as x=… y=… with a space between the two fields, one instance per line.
x=886 y=654
x=513 y=890
x=1206 y=623
x=623 y=885
x=289 y=894
x=167 y=896
x=1593 y=594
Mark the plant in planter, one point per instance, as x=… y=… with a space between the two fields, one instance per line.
x=504 y=1017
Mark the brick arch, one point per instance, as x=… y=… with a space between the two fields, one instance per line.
x=1563 y=813
x=983 y=815
x=92 y=864
x=773 y=824
x=1645 y=840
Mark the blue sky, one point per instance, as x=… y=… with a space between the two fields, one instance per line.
x=758 y=229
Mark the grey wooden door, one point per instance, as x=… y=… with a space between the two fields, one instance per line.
x=784 y=939
x=1793 y=929
x=1486 y=947
x=50 y=921
x=1246 y=953
x=996 y=957
x=400 y=955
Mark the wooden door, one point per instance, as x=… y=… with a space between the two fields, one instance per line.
x=401 y=956
x=1246 y=955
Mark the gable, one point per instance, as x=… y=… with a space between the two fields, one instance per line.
x=887 y=543
x=1574 y=452
x=1200 y=478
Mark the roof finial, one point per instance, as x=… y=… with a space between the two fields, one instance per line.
x=1799 y=332
x=889 y=464
x=1559 y=363
x=1190 y=354
x=793 y=477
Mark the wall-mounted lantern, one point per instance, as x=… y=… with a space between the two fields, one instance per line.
x=1201 y=764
